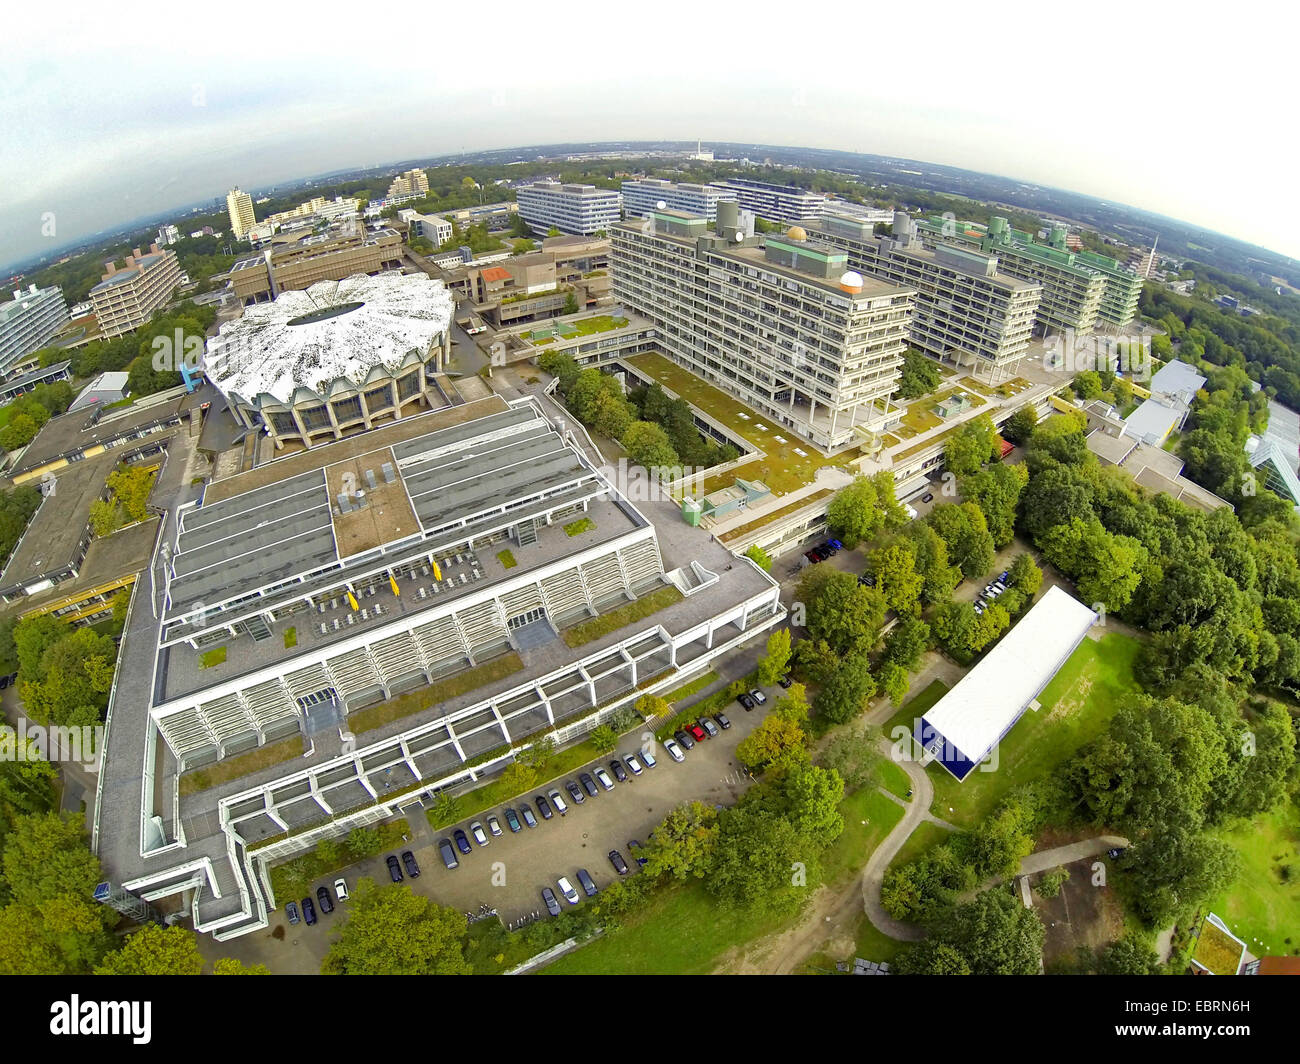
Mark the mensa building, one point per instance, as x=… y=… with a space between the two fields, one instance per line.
x=962 y=728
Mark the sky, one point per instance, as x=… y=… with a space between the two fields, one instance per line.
x=113 y=111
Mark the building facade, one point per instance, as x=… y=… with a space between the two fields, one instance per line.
x=775 y=203
x=644 y=195
x=28 y=322
x=780 y=322
x=408 y=184
x=239 y=205
x=967 y=312
x=329 y=256
x=126 y=298
x=432 y=227
x=580 y=209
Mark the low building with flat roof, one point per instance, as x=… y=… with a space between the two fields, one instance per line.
x=25 y=382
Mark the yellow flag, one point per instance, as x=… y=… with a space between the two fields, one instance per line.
x=393 y=584
x=437 y=573
x=352 y=601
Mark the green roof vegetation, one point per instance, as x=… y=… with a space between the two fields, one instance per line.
x=232 y=768
x=1217 y=951
x=581 y=525
x=507 y=558
x=439 y=691
x=212 y=657
x=651 y=602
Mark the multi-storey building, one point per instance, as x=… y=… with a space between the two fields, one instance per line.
x=28 y=322
x=776 y=203
x=125 y=299
x=966 y=312
x=408 y=184
x=239 y=204
x=432 y=227
x=580 y=209
x=329 y=256
x=525 y=288
x=643 y=195
x=168 y=235
x=781 y=322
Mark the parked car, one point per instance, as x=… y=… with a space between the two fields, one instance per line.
x=394 y=869
x=746 y=701
x=575 y=792
x=709 y=727
x=634 y=851
x=557 y=801
x=512 y=820
x=811 y=555
x=1006 y=575
x=785 y=681
x=620 y=865
x=308 y=912
x=566 y=888
x=928 y=497
x=544 y=808
x=648 y=758
x=602 y=777
x=448 y=854
x=462 y=841
x=685 y=740
x=480 y=836
x=291 y=911
x=408 y=861
x=836 y=544
x=1115 y=852
x=674 y=751
x=527 y=814
x=696 y=732
x=758 y=696
x=341 y=889
x=633 y=764
x=588 y=884
x=588 y=784
x=552 y=903
x=867 y=580
x=494 y=826
x=324 y=900
x=724 y=722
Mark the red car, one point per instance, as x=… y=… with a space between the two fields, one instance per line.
x=697 y=732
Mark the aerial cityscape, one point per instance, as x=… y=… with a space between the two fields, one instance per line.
x=891 y=563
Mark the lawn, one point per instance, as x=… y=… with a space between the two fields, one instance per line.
x=212 y=657
x=1076 y=706
x=1262 y=906
x=894 y=779
x=690 y=688
x=647 y=604
x=506 y=558
x=913 y=709
x=868 y=817
x=873 y=945
x=439 y=691
x=578 y=527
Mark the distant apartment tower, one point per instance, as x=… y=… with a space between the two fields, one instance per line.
x=967 y=312
x=239 y=205
x=126 y=298
x=408 y=184
x=642 y=195
x=582 y=210
x=28 y=321
x=168 y=235
x=780 y=322
x=776 y=203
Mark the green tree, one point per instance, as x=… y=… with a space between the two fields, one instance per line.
x=570 y=303
x=919 y=375
x=604 y=738
x=682 y=845
x=848 y=690
x=931 y=958
x=774 y=739
x=1050 y=883
x=995 y=934
x=908 y=640
x=759 y=557
x=391 y=930
x=996 y=491
x=155 y=950
x=894 y=567
x=230 y=966
x=1020 y=425
x=776 y=661
x=966 y=536
x=1025 y=575
x=893 y=680
x=1130 y=955
x=19 y=432
x=841 y=611
x=862 y=509
x=967 y=449
x=647 y=445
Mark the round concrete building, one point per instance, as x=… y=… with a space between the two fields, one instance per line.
x=336 y=358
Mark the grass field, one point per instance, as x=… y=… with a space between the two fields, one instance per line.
x=914 y=708
x=894 y=779
x=868 y=817
x=1076 y=706
x=1262 y=907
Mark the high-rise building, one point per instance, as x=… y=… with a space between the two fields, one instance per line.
x=409 y=184
x=779 y=321
x=642 y=195
x=967 y=312
x=775 y=203
x=126 y=298
x=579 y=209
x=28 y=321
x=240 y=206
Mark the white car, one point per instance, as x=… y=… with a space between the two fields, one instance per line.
x=758 y=696
x=560 y=806
x=674 y=751
x=494 y=826
x=476 y=829
x=602 y=777
x=633 y=765
x=341 y=889
x=566 y=888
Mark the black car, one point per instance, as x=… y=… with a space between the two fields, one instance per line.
x=575 y=792
x=544 y=807
x=552 y=903
x=412 y=869
x=620 y=773
x=308 y=912
x=620 y=865
x=746 y=701
x=462 y=840
x=448 y=854
x=1115 y=852
x=786 y=681
x=867 y=580
x=512 y=820
x=928 y=497
x=683 y=739
x=394 y=869
x=723 y=722
x=5 y=681
x=588 y=884
x=588 y=784
x=324 y=900
x=291 y=911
